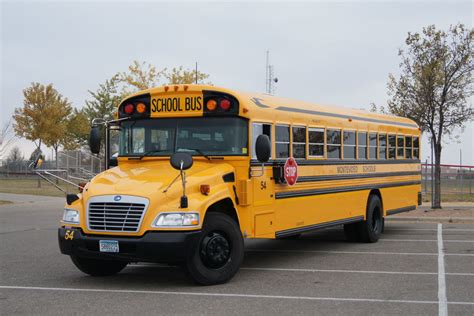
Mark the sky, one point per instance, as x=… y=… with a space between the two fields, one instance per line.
x=334 y=52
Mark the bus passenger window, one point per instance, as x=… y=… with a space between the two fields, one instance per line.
x=260 y=129
x=382 y=146
x=400 y=147
x=392 y=146
x=372 y=145
x=349 y=145
x=299 y=142
x=362 y=140
x=333 y=139
x=408 y=147
x=282 y=141
x=316 y=142
x=416 y=148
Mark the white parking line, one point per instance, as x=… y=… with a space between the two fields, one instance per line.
x=352 y=271
x=429 y=240
x=429 y=229
x=359 y=252
x=442 y=305
x=210 y=294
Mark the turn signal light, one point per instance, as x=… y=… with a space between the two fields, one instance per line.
x=128 y=108
x=141 y=108
x=205 y=189
x=211 y=105
x=224 y=104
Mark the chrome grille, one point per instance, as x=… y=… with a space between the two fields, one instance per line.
x=115 y=216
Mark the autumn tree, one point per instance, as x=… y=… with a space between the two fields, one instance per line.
x=180 y=75
x=56 y=134
x=435 y=85
x=77 y=130
x=142 y=75
x=33 y=120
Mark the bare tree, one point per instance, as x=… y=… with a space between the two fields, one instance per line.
x=435 y=85
x=7 y=137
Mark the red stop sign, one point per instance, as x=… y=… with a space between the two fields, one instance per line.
x=291 y=171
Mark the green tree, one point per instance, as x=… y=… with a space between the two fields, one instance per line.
x=103 y=103
x=435 y=85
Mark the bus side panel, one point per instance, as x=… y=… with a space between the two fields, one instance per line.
x=298 y=212
x=398 y=198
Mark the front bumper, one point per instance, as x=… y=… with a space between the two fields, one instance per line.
x=165 y=247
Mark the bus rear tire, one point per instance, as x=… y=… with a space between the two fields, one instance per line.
x=217 y=256
x=371 y=229
x=96 y=267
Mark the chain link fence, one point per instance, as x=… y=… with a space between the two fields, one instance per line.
x=457 y=181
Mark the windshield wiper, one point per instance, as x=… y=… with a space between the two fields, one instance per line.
x=199 y=151
x=152 y=152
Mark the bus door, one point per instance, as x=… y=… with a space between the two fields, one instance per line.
x=263 y=188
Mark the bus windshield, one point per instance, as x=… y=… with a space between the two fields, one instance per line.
x=209 y=136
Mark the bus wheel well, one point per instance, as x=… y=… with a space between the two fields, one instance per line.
x=224 y=206
x=377 y=193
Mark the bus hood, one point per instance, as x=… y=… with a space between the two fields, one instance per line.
x=150 y=178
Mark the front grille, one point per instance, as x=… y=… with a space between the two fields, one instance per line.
x=115 y=216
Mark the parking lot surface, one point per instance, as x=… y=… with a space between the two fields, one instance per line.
x=416 y=268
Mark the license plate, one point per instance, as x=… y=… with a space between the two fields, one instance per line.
x=108 y=246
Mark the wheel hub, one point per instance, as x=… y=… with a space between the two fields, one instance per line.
x=215 y=250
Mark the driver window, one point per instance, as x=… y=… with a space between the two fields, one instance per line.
x=259 y=129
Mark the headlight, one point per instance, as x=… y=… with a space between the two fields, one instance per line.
x=177 y=220
x=71 y=216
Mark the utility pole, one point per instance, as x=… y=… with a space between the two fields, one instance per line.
x=196 y=72
x=270 y=80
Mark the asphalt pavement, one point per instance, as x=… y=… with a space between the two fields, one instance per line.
x=423 y=268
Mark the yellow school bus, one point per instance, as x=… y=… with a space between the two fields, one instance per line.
x=200 y=168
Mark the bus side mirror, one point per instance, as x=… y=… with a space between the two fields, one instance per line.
x=94 y=140
x=181 y=161
x=263 y=148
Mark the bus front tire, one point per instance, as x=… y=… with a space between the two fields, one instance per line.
x=96 y=267
x=371 y=229
x=217 y=256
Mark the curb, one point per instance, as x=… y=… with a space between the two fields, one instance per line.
x=463 y=220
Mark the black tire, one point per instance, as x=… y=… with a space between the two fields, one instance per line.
x=371 y=229
x=217 y=256
x=351 y=231
x=96 y=267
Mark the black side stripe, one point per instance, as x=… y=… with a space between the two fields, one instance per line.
x=401 y=210
x=358 y=176
x=359 y=118
x=293 y=194
x=294 y=231
x=330 y=162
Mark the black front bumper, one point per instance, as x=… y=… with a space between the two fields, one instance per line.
x=166 y=247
